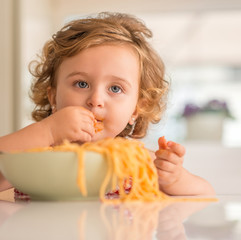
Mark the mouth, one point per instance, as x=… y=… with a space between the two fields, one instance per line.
x=98 y=125
x=99 y=120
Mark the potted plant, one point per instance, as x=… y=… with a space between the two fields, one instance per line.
x=206 y=122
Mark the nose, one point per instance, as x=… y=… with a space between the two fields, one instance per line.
x=95 y=99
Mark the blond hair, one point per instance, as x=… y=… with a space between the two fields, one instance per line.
x=106 y=28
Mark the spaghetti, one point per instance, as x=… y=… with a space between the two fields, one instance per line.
x=131 y=173
x=98 y=126
x=130 y=169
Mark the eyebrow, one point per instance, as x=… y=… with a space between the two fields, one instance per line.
x=76 y=73
x=109 y=76
x=121 y=79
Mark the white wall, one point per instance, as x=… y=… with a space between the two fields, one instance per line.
x=25 y=26
x=6 y=66
x=36 y=28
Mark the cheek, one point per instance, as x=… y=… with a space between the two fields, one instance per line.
x=120 y=116
x=66 y=98
x=61 y=102
x=115 y=127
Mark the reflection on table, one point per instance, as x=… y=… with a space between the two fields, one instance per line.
x=96 y=220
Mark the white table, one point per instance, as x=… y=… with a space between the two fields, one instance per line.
x=219 y=165
x=94 y=220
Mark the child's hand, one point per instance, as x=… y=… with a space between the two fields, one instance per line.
x=75 y=124
x=169 y=160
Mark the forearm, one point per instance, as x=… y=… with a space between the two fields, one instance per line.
x=32 y=136
x=188 y=185
x=4 y=184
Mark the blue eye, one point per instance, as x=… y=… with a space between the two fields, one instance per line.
x=82 y=84
x=116 y=89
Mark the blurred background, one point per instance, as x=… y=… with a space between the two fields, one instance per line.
x=199 y=41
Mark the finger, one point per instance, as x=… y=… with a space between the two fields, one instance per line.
x=83 y=137
x=168 y=156
x=82 y=131
x=88 y=128
x=164 y=166
x=165 y=178
x=177 y=148
x=162 y=143
x=98 y=126
x=87 y=113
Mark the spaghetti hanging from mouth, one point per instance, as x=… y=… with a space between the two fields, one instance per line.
x=98 y=125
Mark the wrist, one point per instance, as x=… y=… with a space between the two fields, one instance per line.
x=4 y=184
x=176 y=186
x=46 y=131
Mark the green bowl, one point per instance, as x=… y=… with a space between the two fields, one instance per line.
x=53 y=175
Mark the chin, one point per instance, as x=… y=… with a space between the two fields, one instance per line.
x=98 y=136
x=101 y=136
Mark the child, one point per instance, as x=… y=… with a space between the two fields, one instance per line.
x=102 y=69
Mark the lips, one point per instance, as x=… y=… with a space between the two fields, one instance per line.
x=98 y=125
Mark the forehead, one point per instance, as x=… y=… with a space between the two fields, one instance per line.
x=122 y=59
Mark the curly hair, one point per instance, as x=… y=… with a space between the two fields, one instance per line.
x=106 y=28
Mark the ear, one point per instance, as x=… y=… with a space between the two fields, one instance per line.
x=133 y=118
x=52 y=98
x=135 y=114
